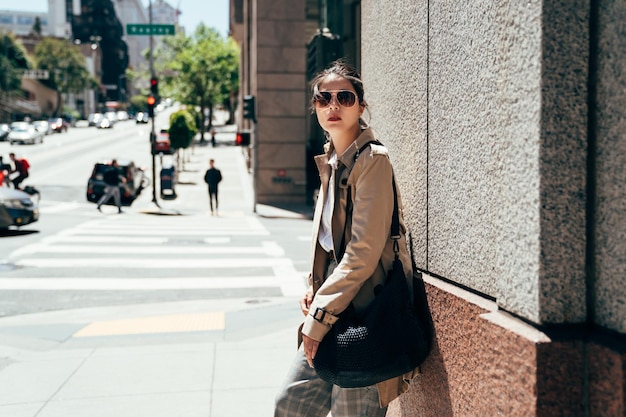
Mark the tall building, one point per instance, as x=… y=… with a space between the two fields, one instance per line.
x=164 y=13
x=21 y=23
x=129 y=12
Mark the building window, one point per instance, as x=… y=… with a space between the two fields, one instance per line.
x=25 y=20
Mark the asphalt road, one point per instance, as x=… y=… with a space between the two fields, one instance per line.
x=76 y=257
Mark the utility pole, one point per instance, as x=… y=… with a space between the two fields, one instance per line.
x=152 y=130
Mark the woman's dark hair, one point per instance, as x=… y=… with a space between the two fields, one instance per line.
x=342 y=69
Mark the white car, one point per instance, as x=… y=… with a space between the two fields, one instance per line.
x=25 y=134
x=43 y=126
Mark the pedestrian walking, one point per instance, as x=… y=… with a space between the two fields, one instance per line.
x=352 y=248
x=112 y=180
x=213 y=137
x=22 y=167
x=212 y=177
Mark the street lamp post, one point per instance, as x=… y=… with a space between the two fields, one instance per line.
x=95 y=45
x=152 y=130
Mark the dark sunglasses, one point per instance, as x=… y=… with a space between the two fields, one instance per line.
x=345 y=98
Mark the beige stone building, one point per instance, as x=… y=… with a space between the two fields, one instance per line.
x=506 y=125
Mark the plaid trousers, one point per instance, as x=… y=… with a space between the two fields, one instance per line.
x=305 y=394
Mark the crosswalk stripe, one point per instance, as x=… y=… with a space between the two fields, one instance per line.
x=106 y=284
x=151 y=263
x=172 y=232
x=119 y=243
x=268 y=248
x=103 y=239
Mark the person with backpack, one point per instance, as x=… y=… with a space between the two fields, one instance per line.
x=112 y=179
x=21 y=167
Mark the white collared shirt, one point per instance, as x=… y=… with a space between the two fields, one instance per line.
x=325 y=235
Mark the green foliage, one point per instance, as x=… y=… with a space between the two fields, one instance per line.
x=138 y=103
x=68 y=73
x=182 y=129
x=13 y=62
x=36 y=29
x=199 y=70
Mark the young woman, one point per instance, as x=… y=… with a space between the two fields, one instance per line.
x=351 y=252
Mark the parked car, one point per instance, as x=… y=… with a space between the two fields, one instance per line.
x=104 y=123
x=93 y=118
x=15 y=125
x=136 y=181
x=141 y=117
x=162 y=142
x=58 y=124
x=25 y=134
x=122 y=115
x=4 y=131
x=17 y=208
x=43 y=126
x=112 y=116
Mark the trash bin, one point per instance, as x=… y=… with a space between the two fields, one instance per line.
x=168 y=182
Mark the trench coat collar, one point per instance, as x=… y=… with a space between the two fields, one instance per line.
x=349 y=157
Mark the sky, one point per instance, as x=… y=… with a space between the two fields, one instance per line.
x=213 y=13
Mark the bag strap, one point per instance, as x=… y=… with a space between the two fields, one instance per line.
x=395 y=218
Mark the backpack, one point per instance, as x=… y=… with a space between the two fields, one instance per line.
x=24 y=165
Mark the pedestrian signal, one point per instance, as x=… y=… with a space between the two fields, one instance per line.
x=242 y=139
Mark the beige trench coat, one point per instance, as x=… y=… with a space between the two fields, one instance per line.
x=368 y=248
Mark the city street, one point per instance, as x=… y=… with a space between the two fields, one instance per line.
x=75 y=256
x=188 y=292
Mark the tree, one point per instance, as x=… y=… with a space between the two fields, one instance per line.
x=182 y=130
x=36 y=29
x=204 y=70
x=66 y=65
x=13 y=62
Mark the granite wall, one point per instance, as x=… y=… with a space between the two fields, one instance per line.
x=506 y=126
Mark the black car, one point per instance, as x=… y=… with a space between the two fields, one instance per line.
x=17 y=208
x=136 y=181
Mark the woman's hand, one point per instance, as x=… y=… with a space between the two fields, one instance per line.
x=310 y=348
x=306 y=300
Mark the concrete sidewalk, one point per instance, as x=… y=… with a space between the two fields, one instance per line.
x=214 y=358
x=193 y=359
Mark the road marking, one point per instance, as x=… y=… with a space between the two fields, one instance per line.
x=129 y=284
x=158 y=324
x=61 y=207
x=171 y=232
x=151 y=263
x=104 y=239
x=267 y=248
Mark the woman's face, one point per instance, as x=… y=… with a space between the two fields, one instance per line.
x=336 y=118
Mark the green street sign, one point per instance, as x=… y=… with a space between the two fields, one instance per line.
x=146 y=29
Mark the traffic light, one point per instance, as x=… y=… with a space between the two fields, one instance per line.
x=249 y=110
x=151 y=102
x=242 y=139
x=154 y=86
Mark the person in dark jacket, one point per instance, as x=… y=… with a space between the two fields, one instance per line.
x=112 y=181
x=213 y=177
